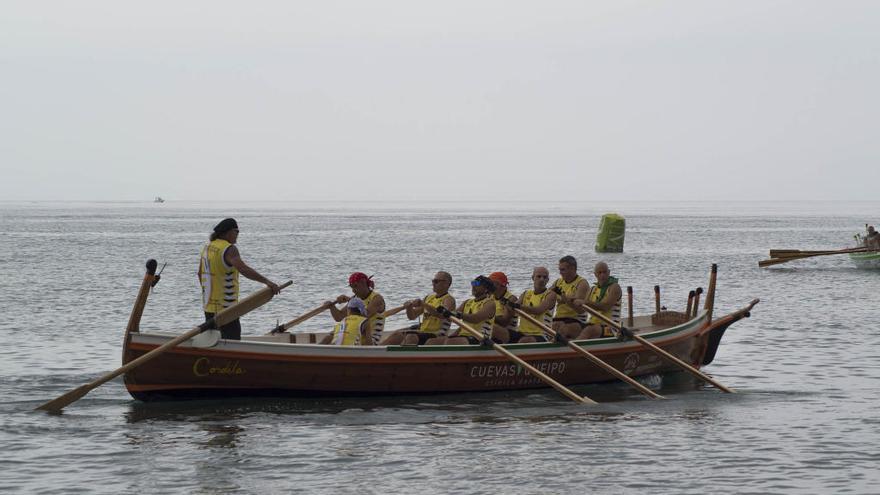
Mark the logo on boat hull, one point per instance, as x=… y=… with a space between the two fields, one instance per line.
x=203 y=367
x=630 y=363
x=513 y=374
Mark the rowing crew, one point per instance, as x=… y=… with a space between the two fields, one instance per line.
x=491 y=310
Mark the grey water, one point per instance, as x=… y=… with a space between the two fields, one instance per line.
x=806 y=365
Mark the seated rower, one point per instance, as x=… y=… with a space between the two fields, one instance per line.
x=605 y=298
x=538 y=302
x=433 y=327
x=478 y=312
x=571 y=292
x=872 y=240
x=352 y=328
x=505 y=318
x=362 y=287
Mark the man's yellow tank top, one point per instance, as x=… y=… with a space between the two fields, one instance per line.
x=219 y=281
x=597 y=294
x=376 y=323
x=532 y=300
x=472 y=306
x=433 y=324
x=499 y=309
x=568 y=289
x=348 y=331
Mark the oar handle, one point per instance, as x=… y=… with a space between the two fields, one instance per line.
x=593 y=358
x=546 y=379
x=619 y=328
x=394 y=311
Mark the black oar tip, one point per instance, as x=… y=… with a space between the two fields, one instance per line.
x=151 y=266
x=714 y=267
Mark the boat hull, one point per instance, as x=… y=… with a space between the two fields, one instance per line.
x=866 y=261
x=249 y=368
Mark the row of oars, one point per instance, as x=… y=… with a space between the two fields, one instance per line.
x=778 y=256
x=264 y=295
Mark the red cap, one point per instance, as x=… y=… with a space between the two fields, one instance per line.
x=357 y=277
x=499 y=277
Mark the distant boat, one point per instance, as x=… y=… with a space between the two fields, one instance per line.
x=158 y=200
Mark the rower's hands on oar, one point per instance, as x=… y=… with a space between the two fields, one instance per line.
x=446 y=313
x=342 y=299
x=276 y=289
x=624 y=334
x=511 y=303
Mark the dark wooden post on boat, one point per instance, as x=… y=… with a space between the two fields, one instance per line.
x=690 y=305
x=697 y=301
x=150 y=277
x=629 y=300
x=657 y=300
x=710 y=295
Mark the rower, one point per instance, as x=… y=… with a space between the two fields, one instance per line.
x=571 y=292
x=605 y=298
x=478 y=312
x=505 y=318
x=352 y=327
x=872 y=240
x=433 y=328
x=362 y=287
x=539 y=302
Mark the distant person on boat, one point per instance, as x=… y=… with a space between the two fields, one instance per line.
x=362 y=287
x=571 y=290
x=353 y=326
x=505 y=319
x=478 y=312
x=539 y=302
x=605 y=298
x=433 y=328
x=872 y=240
x=219 y=266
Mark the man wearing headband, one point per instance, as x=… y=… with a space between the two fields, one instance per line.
x=505 y=319
x=219 y=266
x=362 y=287
x=478 y=313
x=353 y=326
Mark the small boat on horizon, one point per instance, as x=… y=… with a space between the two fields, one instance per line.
x=158 y=200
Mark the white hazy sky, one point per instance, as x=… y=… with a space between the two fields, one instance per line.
x=338 y=100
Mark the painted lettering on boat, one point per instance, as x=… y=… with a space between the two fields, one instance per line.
x=204 y=367
x=513 y=374
x=630 y=363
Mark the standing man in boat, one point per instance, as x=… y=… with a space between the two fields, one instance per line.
x=505 y=318
x=571 y=293
x=219 y=266
x=362 y=287
x=433 y=327
x=605 y=298
x=478 y=312
x=539 y=302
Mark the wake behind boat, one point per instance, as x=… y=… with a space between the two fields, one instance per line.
x=293 y=364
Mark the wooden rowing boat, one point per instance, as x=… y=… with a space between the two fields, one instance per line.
x=292 y=364
x=868 y=261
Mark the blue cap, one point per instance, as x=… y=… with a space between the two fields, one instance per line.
x=357 y=303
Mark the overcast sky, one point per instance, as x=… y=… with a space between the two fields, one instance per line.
x=338 y=100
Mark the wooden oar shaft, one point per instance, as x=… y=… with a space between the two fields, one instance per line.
x=546 y=379
x=393 y=311
x=786 y=253
x=299 y=319
x=787 y=258
x=661 y=352
x=593 y=358
x=225 y=316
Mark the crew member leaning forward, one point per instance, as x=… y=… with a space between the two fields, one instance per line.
x=539 y=302
x=506 y=321
x=571 y=293
x=478 y=312
x=352 y=327
x=362 y=287
x=605 y=298
x=433 y=327
x=219 y=266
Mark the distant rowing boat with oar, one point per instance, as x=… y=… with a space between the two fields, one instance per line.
x=163 y=366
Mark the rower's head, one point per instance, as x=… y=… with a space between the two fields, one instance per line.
x=602 y=272
x=441 y=282
x=356 y=306
x=499 y=279
x=481 y=286
x=540 y=277
x=227 y=230
x=871 y=230
x=360 y=284
x=568 y=268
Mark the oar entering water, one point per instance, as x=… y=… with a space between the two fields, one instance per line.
x=546 y=379
x=225 y=316
x=595 y=360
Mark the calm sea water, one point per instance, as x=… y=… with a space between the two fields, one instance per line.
x=806 y=365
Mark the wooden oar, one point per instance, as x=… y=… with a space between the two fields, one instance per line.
x=393 y=311
x=787 y=258
x=549 y=381
x=299 y=319
x=787 y=253
x=225 y=316
x=595 y=360
x=628 y=333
